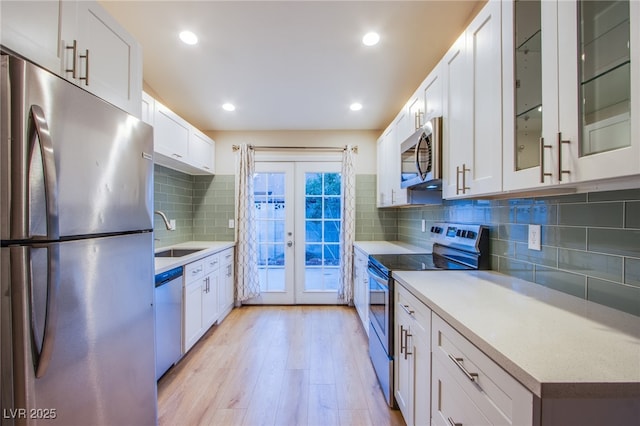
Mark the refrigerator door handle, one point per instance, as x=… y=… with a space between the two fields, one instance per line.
x=38 y=129
x=51 y=316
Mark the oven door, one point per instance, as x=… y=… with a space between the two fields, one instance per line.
x=379 y=307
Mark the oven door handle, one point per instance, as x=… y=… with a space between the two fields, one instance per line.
x=378 y=276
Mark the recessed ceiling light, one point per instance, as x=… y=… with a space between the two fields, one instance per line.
x=188 y=37
x=371 y=39
x=228 y=107
x=355 y=106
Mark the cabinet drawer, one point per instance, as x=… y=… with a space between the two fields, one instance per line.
x=194 y=271
x=500 y=398
x=211 y=263
x=416 y=309
x=450 y=405
x=226 y=257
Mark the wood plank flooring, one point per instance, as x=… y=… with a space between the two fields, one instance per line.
x=280 y=366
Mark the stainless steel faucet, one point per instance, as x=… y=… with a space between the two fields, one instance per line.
x=166 y=221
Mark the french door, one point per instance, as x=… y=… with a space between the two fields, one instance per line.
x=298 y=219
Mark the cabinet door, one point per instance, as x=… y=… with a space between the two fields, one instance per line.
x=456 y=113
x=193 y=327
x=421 y=337
x=383 y=182
x=403 y=362
x=595 y=134
x=171 y=133
x=109 y=59
x=484 y=160
x=432 y=94
x=210 y=299
x=416 y=110
x=32 y=29
x=148 y=106
x=399 y=195
x=201 y=151
x=529 y=58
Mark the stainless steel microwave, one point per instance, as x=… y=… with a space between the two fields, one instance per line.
x=422 y=157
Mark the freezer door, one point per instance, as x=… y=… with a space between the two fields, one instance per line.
x=97 y=171
x=101 y=369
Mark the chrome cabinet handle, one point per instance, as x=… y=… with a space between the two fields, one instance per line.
x=407 y=309
x=457 y=180
x=86 y=67
x=542 y=148
x=464 y=178
x=452 y=423
x=560 y=170
x=74 y=51
x=406 y=344
x=458 y=361
x=176 y=155
x=402 y=347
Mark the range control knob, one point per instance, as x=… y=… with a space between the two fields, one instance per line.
x=471 y=234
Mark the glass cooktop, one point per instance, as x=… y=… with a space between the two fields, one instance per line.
x=414 y=262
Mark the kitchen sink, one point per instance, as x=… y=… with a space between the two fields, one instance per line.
x=176 y=252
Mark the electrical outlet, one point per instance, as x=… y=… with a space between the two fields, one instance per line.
x=424 y=225
x=534 y=237
x=172 y=224
x=232 y=224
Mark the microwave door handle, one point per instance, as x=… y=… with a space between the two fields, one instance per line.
x=417 y=159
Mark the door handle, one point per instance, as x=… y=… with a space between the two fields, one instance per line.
x=289 y=243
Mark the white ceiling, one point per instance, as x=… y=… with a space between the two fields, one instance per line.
x=290 y=65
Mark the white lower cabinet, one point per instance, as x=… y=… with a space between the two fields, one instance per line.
x=227 y=279
x=413 y=358
x=200 y=299
x=469 y=388
x=361 y=287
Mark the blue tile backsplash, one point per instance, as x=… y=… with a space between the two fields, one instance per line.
x=590 y=242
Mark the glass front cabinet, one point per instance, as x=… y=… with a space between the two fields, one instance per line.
x=571 y=91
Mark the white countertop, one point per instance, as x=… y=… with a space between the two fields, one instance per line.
x=555 y=344
x=388 y=247
x=206 y=248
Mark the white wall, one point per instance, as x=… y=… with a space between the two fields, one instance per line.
x=364 y=139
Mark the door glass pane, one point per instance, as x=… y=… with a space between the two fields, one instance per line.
x=528 y=84
x=605 y=83
x=322 y=225
x=270 y=213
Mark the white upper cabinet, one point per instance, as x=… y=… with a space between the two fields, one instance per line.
x=473 y=108
x=570 y=69
x=201 y=150
x=171 y=134
x=383 y=182
x=79 y=41
x=100 y=56
x=32 y=29
x=389 y=192
x=432 y=94
x=177 y=144
x=456 y=113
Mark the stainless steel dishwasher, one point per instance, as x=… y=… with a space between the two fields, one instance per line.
x=168 y=319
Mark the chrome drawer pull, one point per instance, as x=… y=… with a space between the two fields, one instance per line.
x=407 y=310
x=452 y=423
x=458 y=361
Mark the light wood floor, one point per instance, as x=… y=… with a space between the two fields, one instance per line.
x=284 y=366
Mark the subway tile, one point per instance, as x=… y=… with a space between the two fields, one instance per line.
x=513 y=232
x=516 y=268
x=591 y=264
x=625 y=242
x=565 y=282
x=632 y=271
x=542 y=214
x=565 y=237
x=502 y=248
x=548 y=256
x=591 y=214
x=632 y=215
x=624 y=194
x=618 y=296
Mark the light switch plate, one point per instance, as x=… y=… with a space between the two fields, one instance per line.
x=232 y=224
x=534 y=237
x=424 y=225
x=172 y=224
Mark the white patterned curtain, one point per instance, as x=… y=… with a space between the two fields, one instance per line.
x=348 y=228
x=247 y=284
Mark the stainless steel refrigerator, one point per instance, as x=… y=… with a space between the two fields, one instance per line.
x=76 y=184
